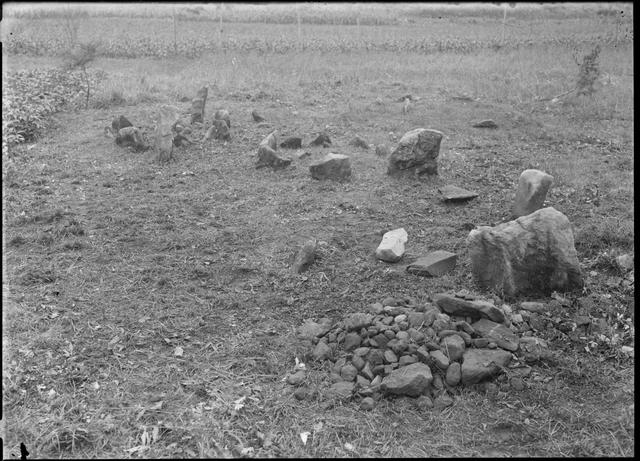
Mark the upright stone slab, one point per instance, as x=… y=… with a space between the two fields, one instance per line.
x=533 y=254
x=533 y=186
x=164 y=132
x=417 y=153
x=391 y=247
x=197 y=105
x=332 y=166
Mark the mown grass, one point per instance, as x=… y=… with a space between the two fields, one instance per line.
x=113 y=261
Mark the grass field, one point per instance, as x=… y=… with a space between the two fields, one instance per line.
x=149 y=309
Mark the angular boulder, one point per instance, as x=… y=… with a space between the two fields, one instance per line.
x=412 y=380
x=310 y=329
x=322 y=140
x=498 y=333
x=391 y=247
x=434 y=264
x=533 y=186
x=257 y=117
x=267 y=155
x=533 y=254
x=417 y=153
x=359 y=142
x=453 y=346
x=130 y=136
x=332 y=166
x=464 y=308
x=481 y=364
x=197 y=105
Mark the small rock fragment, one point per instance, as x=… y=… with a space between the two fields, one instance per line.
x=391 y=247
x=434 y=264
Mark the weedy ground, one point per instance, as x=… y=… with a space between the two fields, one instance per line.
x=149 y=310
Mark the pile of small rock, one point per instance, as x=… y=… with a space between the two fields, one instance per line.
x=424 y=350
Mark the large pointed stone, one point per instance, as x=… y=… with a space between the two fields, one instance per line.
x=163 y=141
x=391 y=247
x=533 y=186
x=434 y=264
x=412 y=380
x=533 y=254
x=497 y=332
x=332 y=166
x=456 y=194
x=417 y=153
x=481 y=364
x=465 y=308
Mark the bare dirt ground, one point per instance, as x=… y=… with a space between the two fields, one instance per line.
x=151 y=311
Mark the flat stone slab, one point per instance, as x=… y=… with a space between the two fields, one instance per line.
x=481 y=364
x=500 y=334
x=456 y=194
x=468 y=308
x=486 y=124
x=434 y=264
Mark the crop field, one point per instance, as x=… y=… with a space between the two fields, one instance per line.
x=149 y=308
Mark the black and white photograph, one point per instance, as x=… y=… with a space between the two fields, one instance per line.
x=317 y=230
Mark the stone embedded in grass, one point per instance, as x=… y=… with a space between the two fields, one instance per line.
x=532 y=306
x=222 y=114
x=305 y=256
x=416 y=153
x=310 y=329
x=412 y=380
x=625 y=262
x=367 y=404
x=218 y=130
x=322 y=140
x=348 y=372
x=500 y=334
x=486 y=124
x=197 y=105
x=481 y=364
x=332 y=166
x=533 y=254
x=257 y=117
x=292 y=142
x=456 y=194
x=267 y=155
x=535 y=349
x=342 y=390
x=533 y=186
x=297 y=378
x=475 y=309
x=357 y=321
x=382 y=150
x=434 y=264
x=442 y=401
x=359 y=142
x=163 y=142
x=391 y=247
x=352 y=340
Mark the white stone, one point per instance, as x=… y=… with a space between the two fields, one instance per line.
x=391 y=247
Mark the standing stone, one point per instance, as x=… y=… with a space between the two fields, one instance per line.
x=221 y=130
x=164 y=133
x=322 y=140
x=222 y=114
x=197 y=105
x=391 y=247
x=481 y=364
x=532 y=191
x=412 y=380
x=534 y=253
x=500 y=334
x=434 y=264
x=267 y=155
x=332 y=166
x=417 y=153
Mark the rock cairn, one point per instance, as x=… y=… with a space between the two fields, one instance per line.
x=425 y=350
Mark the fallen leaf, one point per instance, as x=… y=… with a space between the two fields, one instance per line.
x=178 y=352
x=304 y=436
x=349 y=447
x=156 y=406
x=238 y=403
